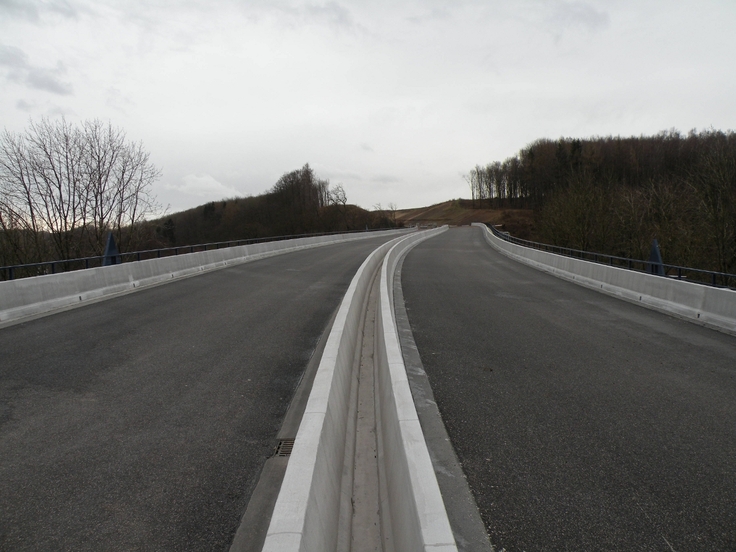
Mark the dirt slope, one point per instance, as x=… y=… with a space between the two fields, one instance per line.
x=458 y=212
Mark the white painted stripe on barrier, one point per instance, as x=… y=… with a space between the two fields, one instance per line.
x=27 y=297
x=307 y=511
x=418 y=517
x=706 y=305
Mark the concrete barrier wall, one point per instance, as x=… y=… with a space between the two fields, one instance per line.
x=413 y=508
x=709 y=306
x=307 y=512
x=43 y=294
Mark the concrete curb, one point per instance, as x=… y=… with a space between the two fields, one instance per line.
x=307 y=512
x=30 y=297
x=417 y=512
x=462 y=510
x=705 y=305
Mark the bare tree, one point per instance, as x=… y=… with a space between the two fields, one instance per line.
x=338 y=196
x=120 y=176
x=392 y=213
x=19 y=218
x=65 y=186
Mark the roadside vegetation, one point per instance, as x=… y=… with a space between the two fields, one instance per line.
x=64 y=187
x=299 y=203
x=615 y=195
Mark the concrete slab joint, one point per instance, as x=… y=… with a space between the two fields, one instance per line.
x=309 y=510
x=705 y=305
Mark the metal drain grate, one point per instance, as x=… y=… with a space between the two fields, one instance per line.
x=284 y=447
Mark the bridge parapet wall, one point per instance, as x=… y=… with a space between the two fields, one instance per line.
x=28 y=297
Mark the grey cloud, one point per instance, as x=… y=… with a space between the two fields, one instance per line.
x=385 y=179
x=58 y=111
x=62 y=8
x=338 y=173
x=13 y=57
x=333 y=13
x=33 y=11
x=40 y=78
x=119 y=101
x=435 y=14
x=24 y=105
x=571 y=14
x=15 y=8
x=366 y=147
x=47 y=79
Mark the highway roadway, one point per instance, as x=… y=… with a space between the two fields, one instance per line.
x=143 y=422
x=582 y=422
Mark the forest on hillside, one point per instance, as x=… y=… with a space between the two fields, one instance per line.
x=615 y=195
x=299 y=203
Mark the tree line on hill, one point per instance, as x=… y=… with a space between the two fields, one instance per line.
x=299 y=203
x=64 y=187
x=615 y=195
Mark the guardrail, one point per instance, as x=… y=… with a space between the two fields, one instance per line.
x=12 y=272
x=693 y=275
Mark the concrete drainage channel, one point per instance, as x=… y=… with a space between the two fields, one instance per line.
x=360 y=475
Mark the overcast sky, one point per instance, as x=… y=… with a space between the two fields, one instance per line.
x=395 y=100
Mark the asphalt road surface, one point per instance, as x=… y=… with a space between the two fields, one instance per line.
x=142 y=422
x=582 y=422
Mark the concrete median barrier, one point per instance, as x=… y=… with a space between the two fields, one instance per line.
x=27 y=297
x=307 y=516
x=414 y=506
x=709 y=306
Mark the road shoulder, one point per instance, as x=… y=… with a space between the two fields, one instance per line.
x=467 y=526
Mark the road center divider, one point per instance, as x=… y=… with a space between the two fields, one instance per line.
x=306 y=516
x=26 y=297
x=706 y=305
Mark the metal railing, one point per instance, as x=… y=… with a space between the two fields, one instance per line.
x=694 y=275
x=13 y=272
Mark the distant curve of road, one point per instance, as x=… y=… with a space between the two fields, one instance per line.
x=582 y=422
x=142 y=422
